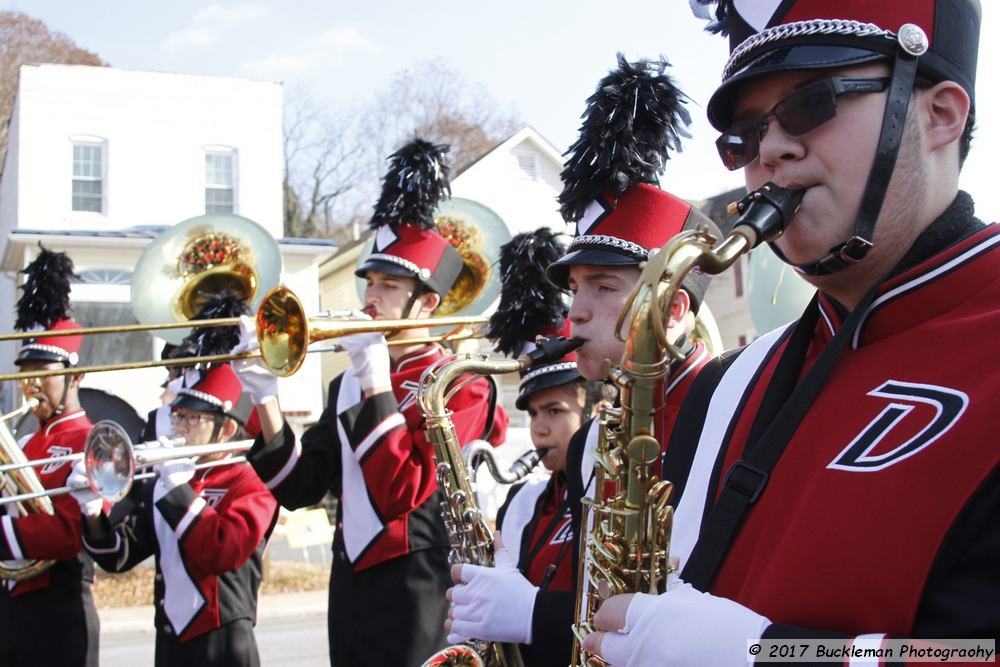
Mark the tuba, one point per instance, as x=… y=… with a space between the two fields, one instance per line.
x=21 y=481
x=625 y=546
x=470 y=537
x=204 y=255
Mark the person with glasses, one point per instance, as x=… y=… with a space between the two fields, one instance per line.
x=843 y=480
x=60 y=596
x=207 y=526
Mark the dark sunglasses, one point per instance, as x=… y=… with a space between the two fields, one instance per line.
x=800 y=112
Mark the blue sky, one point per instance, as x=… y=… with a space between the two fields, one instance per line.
x=541 y=59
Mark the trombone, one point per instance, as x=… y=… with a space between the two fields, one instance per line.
x=111 y=461
x=284 y=333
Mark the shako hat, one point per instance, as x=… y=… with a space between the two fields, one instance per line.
x=936 y=38
x=531 y=306
x=406 y=240
x=610 y=181
x=44 y=306
x=217 y=389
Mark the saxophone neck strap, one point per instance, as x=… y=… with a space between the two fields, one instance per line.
x=783 y=407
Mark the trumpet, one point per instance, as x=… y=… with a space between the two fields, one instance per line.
x=111 y=461
x=284 y=333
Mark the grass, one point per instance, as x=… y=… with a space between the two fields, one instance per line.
x=135 y=588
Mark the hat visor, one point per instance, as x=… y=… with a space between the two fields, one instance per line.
x=784 y=59
x=40 y=355
x=558 y=271
x=542 y=382
x=190 y=402
x=383 y=267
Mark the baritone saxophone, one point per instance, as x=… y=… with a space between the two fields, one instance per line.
x=470 y=538
x=625 y=533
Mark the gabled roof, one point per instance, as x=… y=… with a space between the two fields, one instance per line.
x=527 y=132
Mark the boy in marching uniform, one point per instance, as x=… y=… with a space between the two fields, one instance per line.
x=207 y=528
x=610 y=191
x=826 y=430
x=369 y=447
x=59 y=596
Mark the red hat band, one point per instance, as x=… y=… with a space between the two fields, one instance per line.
x=414 y=251
x=62 y=348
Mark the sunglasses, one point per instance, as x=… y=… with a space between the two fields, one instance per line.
x=800 y=112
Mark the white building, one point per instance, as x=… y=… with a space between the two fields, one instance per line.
x=100 y=159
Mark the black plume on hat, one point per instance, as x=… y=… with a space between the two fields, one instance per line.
x=416 y=181
x=206 y=341
x=719 y=24
x=633 y=119
x=45 y=299
x=529 y=303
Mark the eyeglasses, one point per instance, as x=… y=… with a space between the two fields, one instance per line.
x=800 y=112
x=192 y=419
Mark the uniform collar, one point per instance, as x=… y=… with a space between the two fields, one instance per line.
x=426 y=352
x=62 y=421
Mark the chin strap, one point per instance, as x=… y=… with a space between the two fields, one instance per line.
x=417 y=289
x=904 y=72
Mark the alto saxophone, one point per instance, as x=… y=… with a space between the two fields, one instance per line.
x=625 y=543
x=470 y=537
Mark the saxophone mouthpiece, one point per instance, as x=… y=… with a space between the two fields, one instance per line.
x=768 y=210
x=550 y=349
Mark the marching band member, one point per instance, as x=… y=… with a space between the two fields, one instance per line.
x=621 y=215
x=59 y=597
x=815 y=506
x=207 y=529
x=369 y=448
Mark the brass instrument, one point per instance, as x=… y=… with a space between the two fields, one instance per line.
x=283 y=330
x=111 y=461
x=20 y=481
x=625 y=541
x=470 y=537
x=478 y=452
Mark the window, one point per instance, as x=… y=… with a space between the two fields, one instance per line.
x=89 y=168
x=528 y=164
x=220 y=181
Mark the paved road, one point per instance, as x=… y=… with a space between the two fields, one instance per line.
x=283 y=642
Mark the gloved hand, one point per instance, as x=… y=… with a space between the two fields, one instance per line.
x=369 y=355
x=495 y=603
x=683 y=627
x=174 y=473
x=256 y=377
x=91 y=504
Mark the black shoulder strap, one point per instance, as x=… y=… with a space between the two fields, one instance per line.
x=781 y=411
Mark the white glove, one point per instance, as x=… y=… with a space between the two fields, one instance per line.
x=495 y=603
x=369 y=355
x=256 y=377
x=683 y=627
x=174 y=473
x=91 y=504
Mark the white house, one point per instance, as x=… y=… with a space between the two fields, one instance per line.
x=100 y=160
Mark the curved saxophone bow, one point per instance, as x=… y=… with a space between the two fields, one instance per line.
x=470 y=537
x=625 y=542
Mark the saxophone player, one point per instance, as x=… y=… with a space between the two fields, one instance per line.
x=868 y=108
x=369 y=447
x=620 y=214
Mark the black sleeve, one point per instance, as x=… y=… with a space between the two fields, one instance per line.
x=299 y=475
x=127 y=545
x=551 y=629
x=575 y=488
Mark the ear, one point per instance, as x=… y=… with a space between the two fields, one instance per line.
x=945 y=107
x=75 y=380
x=679 y=308
x=229 y=429
x=429 y=302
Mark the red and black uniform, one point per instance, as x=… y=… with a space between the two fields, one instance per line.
x=390 y=543
x=208 y=537
x=880 y=518
x=61 y=595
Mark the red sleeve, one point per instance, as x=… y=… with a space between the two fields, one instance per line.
x=58 y=536
x=223 y=539
x=398 y=463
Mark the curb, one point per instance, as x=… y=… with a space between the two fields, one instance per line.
x=286 y=605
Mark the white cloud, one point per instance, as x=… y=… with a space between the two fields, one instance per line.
x=329 y=48
x=211 y=22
